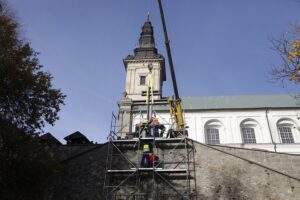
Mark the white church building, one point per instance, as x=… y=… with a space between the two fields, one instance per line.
x=269 y=122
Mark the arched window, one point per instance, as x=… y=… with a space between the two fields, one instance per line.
x=213 y=136
x=248 y=135
x=212 y=132
x=248 y=129
x=285 y=131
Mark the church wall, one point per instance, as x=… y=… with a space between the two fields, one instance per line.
x=229 y=124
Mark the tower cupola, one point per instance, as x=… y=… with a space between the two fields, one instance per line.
x=147 y=37
x=136 y=66
x=146 y=47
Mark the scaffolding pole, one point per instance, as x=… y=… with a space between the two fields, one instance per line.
x=175 y=172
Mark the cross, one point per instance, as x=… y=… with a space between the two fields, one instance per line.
x=148 y=16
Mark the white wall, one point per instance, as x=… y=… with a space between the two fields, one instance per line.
x=230 y=126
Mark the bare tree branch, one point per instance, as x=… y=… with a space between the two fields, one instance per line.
x=287 y=45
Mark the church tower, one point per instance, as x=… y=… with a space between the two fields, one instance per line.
x=137 y=66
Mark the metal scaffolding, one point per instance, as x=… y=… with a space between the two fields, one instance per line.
x=172 y=177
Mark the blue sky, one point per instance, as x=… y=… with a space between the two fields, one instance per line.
x=219 y=48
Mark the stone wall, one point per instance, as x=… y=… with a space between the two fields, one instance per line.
x=82 y=174
x=221 y=173
x=288 y=164
x=233 y=173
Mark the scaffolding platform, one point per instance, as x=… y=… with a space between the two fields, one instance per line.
x=160 y=170
x=172 y=176
x=159 y=141
x=175 y=171
x=149 y=139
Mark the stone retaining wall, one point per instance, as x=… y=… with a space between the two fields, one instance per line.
x=221 y=173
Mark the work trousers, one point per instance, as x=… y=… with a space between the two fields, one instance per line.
x=155 y=132
x=145 y=160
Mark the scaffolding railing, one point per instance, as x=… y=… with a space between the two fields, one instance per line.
x=117 y=130
x=113 y=125
x=173 y=177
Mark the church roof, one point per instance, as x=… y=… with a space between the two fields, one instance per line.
x=232 y=102
x=242 y=102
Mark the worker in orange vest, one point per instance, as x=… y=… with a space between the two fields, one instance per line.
x=155 y=126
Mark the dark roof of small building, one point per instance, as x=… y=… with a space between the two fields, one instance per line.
x=48 y=137
x=76 y=135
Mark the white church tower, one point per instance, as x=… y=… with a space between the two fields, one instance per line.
x=137 y=70
x=136 y=66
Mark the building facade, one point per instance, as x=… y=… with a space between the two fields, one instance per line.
x=269 y=122
x=232 y=151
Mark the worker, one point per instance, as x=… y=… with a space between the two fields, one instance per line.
x=145 y=157
x=153 y=160
x=137 y=130
x=156 y=126
x=162 y=129
x=144 y=129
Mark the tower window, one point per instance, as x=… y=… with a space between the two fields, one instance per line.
x=142 y=80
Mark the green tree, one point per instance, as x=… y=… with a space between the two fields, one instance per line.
x=27 y=102
x=288 y=47
x=27 y=98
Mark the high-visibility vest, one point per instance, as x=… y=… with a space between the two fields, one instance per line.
x=146 y=148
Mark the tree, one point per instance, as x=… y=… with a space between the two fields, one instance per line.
x=27 y=98
x=288 y=47
x=27 y=102
x=27 y=169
